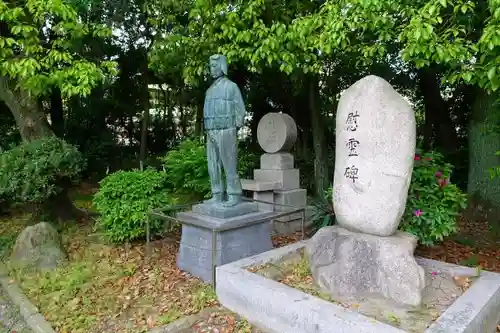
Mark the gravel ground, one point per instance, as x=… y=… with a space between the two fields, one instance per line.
x=10 y=318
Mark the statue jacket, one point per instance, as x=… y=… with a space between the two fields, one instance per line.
x=224 y=107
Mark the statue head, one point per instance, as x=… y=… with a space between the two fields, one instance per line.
x=218 y=65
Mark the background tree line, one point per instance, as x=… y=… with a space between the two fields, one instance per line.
x=124 y=81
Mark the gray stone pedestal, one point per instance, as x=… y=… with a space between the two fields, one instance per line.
x=235 y=238
x=346 y=263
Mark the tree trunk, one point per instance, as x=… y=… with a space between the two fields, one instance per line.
x=145 y=123
x=56 y=112
x=31 y=121
x=318 y=132
x=198 y=126
x=438 y=123
x=484 y=142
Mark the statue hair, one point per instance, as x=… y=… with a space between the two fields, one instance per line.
x=221 y=60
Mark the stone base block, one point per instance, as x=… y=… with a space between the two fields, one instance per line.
x=256 y=186
x=276 y=161
x=222 y=212
x=289 y=227
x=287 y=179
x=243 y=237
x=295 y=198
x=297 y=216
x=267 y=196
x=346 y=263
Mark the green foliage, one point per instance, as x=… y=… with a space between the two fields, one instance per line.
x=36 y=171
x=495 y=172
x=39 y=53
x=433 y=203
x=187 y=168
x=461 y=36
x=124 y=200
x=323 y=213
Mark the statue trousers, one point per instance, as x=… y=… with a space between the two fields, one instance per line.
x=222 y=151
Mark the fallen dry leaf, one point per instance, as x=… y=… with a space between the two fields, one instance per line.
x=462 y=281
x=151 y=322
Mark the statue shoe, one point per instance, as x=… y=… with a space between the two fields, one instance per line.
x=233 y=200
x=216 y=198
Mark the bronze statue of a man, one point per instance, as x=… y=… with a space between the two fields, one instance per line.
x=223 y=114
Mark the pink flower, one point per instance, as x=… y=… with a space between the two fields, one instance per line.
x=417 y=212
x=443 y=182
x=434 y=273
x=417 y=158
x=439 y=174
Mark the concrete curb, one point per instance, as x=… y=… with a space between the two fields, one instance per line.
x=30 y=313
x=261 y=301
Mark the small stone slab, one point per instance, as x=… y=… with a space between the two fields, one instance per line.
x=259 y=186
x=222 y=212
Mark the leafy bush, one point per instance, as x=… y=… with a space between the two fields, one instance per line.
x=187 y=169
x=323 y=214
x=433 y=202
x=124 y=200
x=432 y=206
x=36 y=171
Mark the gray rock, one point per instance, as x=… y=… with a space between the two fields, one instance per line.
x=375 y=147
x=345 y=263
x=39 y=246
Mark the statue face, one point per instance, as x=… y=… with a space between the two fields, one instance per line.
x=215 y=69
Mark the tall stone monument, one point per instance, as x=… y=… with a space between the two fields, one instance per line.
x=375 y=144
x=223 y=228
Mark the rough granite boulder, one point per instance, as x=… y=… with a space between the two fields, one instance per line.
x=345 y=263
x=375 y=147
x=39 y=246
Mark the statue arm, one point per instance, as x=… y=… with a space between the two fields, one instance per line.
x=240 y=106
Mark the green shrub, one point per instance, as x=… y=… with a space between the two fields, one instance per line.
x=36 y=171
x=432 y=206
x=323 y=214
x=433 y=202
x=124 y=200
x=187 y=169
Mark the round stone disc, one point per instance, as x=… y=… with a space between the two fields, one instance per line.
x=276 y=132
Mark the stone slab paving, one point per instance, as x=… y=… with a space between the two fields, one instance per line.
x=11 y=320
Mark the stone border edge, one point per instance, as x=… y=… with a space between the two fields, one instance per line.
x=30 y=313
x=466 y=314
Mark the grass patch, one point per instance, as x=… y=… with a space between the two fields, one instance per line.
x=10 y=227
x=472 y=261
x=294 y=273
x=106 y=288
x=464 y=240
